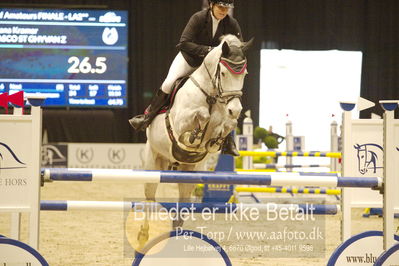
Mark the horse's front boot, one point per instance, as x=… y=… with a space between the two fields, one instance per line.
x=141 y=122
x=229 y=146
x=191 y=138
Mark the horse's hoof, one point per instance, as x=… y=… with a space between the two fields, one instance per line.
x=231 y=152
x=177 y=224
x=139 y=122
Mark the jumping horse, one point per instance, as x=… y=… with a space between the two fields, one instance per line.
x=205 y=110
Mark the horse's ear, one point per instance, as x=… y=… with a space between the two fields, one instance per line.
x=247 y=45
x=225 y=49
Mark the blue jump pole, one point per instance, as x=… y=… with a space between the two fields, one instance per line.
x=273 y=179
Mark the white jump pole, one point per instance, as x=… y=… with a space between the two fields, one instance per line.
x=389 y=173
x=247 y=130
x=34 y=220
x=289 y=143
x=346 y=221
x=334 y=145
x=15 y=230
x=71 y=205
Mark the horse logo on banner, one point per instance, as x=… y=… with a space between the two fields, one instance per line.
x=8 y=158
x=368 y=155
x=54 y=155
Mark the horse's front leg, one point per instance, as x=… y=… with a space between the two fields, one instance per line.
x=185 y=192
x=215 y=144
x=194 y=128
x=150 y=163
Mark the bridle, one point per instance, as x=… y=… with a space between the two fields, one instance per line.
x=221 y=96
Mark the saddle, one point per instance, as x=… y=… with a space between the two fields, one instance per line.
x=176 y=86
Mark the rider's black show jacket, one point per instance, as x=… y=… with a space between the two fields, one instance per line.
x=197 y=36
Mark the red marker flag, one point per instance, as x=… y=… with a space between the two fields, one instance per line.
x=4 y=101
x=17 y=98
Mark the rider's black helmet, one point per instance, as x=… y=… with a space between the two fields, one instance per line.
x=225 y=3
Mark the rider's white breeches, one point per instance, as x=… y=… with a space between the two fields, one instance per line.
x=178 y=69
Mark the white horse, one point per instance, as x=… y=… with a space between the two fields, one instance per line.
x=204 y=112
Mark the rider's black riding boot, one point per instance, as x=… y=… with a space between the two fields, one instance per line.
x=141 y=122
x=229 y=146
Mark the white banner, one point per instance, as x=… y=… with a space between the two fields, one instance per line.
x=106 y=155
x=16 y=174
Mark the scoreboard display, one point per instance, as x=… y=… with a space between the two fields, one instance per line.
x=75 y=58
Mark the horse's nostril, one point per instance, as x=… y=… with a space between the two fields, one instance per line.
x=230 y=112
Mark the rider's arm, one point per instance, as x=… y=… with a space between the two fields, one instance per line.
x=187 y=40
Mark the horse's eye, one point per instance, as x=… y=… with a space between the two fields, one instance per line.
x=223 y=74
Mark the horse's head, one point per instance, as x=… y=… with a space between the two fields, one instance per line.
x=367 y=157
x=361 y=158
x=226 y=65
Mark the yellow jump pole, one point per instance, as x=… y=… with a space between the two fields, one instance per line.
x=288 y=190
x=296 y=154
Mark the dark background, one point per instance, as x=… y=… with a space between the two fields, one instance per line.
x=370 y=26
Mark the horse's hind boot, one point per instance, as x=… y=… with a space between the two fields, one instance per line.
x=141 y=122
